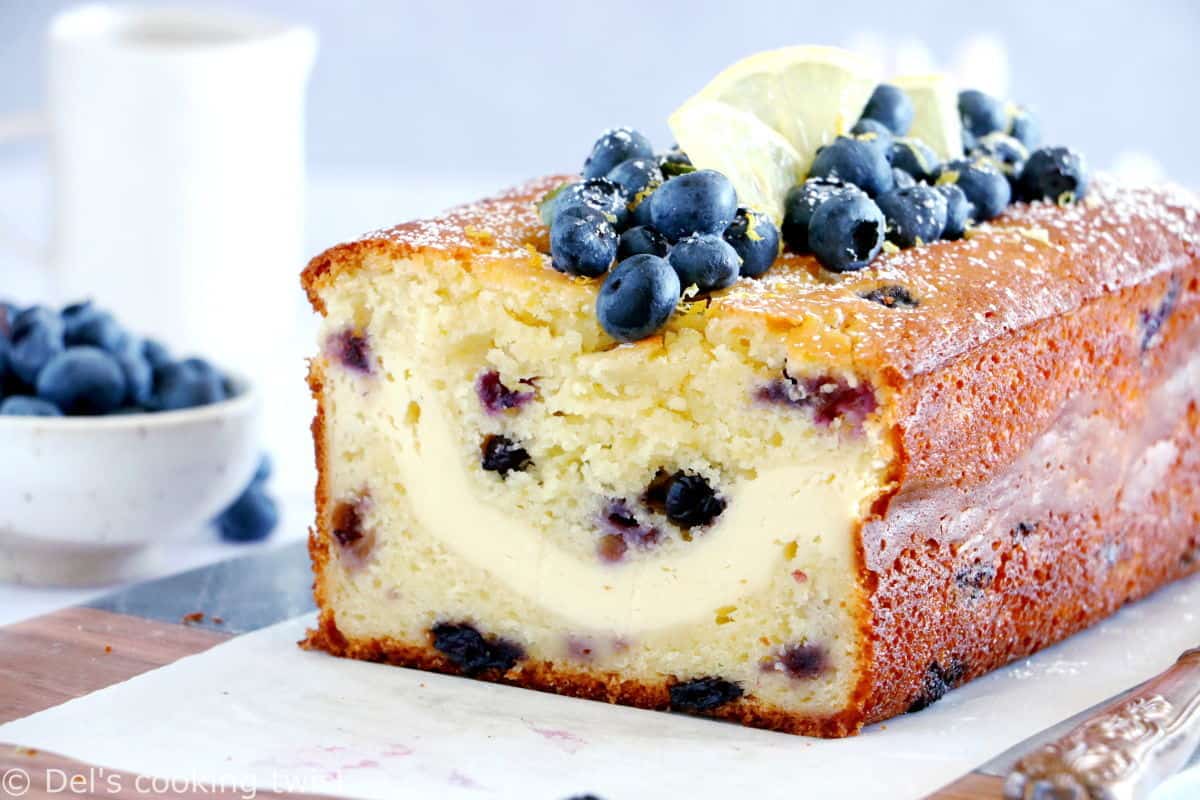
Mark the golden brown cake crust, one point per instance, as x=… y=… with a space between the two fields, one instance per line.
x=1043 y=316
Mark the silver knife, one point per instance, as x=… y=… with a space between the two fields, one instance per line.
x=1120 y=749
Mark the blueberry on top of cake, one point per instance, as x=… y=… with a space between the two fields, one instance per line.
x=744 y=427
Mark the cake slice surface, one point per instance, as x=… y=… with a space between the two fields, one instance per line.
x=812 y=501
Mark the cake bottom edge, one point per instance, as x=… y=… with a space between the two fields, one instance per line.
x=549 y=677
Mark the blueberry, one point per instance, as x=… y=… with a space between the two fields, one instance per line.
x=755 y=238
x=637 y=176
x=846 y=232
x=969 y=141
x=640 y=215
x=25 y=320
x=874 y=132
x=186 y=384
x=96 y=329
x=3 y=362
x=891 y=296
x=503 y=455
x=155 y=352
x=800 y=203
x=22 y=406
x=263 y=473
x=600 y=194
x=698 y=202
x=613 y=147
x=890 y=106
x=984 y=185
x=915 y=157
x=902 y=179
x=139 y=374
x=916 y=215
x=641 y=239
x=582 y=242
x=703 y=694
x=959 y=211
x=251 y=518
x=1023 y=126
x=637 y=297
x=981 y=113
x=691 y=501
x=471 y=651
x=1006 y=152
x=75 y=315
x=856 y=162
x=706 y=261
x=83 y=380
x=37 y=337
x=1054 y=173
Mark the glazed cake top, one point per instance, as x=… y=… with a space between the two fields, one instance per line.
x=1034 y=261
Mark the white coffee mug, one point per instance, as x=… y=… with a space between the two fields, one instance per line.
x=178 y=167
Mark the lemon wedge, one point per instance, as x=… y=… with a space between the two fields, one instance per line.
x=760 y=163
x=935 y=112
x=805 y=95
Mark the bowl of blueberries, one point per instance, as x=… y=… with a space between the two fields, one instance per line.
x=110 y=446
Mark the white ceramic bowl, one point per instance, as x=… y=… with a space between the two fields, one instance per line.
x=83 y=500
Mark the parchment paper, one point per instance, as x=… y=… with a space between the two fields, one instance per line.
x=257 y=711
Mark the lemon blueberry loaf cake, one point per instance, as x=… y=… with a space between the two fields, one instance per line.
x=800 y=424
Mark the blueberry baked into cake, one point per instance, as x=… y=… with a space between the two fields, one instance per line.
x=858 y=393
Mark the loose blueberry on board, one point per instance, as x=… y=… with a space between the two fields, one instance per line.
x=265 y=468
x=582 y=242
x=981 y=113
x=22 y=406
x=503 y=455
x=613 y=147
x=916 y=215
x=600 y=194
x=856 y=162
x=703 y=694
x=1023 y=126
x=902 y=179
x=636 y=176
x=467 y=648
x=83 y=381
x=251 y=518
x=800 y=203
x=1006 y=152
x=638 y=297
x=755 y=238
x=37 y=337
x=890 y=106
x=705 y=261
x=703 y=201
x=959 y=211
x=846 y=231
x=641 y=239
x=984 y=185
x=1058 y=174
x=691 y=501
x=186 y=384
x=874 y=132
x=914 y=157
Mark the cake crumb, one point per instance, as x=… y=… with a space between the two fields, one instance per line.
x=194 y=617
x=218 y=620
x=108 y=648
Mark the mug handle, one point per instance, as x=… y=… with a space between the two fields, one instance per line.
x=14 y=128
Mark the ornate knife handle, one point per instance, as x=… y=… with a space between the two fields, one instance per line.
x=1124 y=750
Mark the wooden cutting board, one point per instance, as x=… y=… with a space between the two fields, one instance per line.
x=58 y=657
